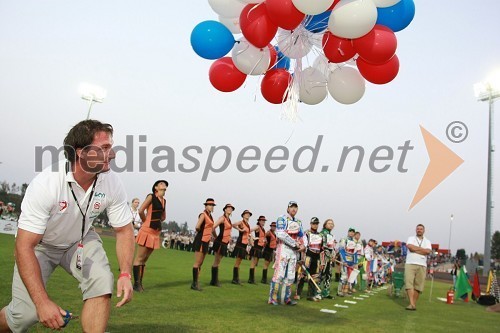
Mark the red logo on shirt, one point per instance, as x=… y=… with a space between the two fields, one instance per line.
x=63 y=205
x=97 y=205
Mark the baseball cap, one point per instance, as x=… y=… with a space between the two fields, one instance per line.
x=293 y=203
x=314 y=220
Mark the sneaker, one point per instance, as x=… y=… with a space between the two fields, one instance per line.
x=329 y=297
x=313 y=299
x=290 y=302
x=318 y=297
x=272 y=302
x=340 y=294
x=296 y=297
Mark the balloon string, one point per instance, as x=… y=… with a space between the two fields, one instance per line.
x=291 y=97
x=291 y=134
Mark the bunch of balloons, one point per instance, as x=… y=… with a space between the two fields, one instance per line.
x=348 y=42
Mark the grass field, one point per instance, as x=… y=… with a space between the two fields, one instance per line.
x=168 y=305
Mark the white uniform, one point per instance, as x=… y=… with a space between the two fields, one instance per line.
x=290 y=236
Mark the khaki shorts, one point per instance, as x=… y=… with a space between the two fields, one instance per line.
x=95 y=278
x=415 y=277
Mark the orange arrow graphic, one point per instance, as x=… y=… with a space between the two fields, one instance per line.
x=442 y=163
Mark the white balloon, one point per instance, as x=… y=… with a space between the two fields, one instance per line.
x=250 y=59
x=312 y=88
x=346 y=85
x=312 y=7
x=233 y=24
x=352 y=18
x=385 y=3
x=295 y=44
x=227 y=8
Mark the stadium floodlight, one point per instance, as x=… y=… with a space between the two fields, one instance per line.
x=489 y=90
x=92 y=94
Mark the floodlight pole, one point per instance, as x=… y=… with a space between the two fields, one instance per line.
x=91 y=102
x=489 y=188
x=488 y=92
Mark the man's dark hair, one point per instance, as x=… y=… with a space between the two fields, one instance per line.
x=420 y=225
x=82 y=135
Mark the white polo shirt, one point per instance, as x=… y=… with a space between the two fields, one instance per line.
x=415 y=258
x=49 y=208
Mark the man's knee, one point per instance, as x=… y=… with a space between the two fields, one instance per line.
x=99 y=283
x=18 y=318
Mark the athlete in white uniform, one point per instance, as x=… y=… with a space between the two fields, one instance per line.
x=291 y=240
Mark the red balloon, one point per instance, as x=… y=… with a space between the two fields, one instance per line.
x=224 y=75
x=378 y=46
x=334 y=4
x=256 y=25
x=379 y=74
x=337 y=49
x=274 y=85
x=274 y=56
x=284 y=13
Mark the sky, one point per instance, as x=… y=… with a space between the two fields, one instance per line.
x=159 y=88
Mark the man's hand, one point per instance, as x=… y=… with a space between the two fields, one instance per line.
x=302 y=248
x=124 y=286
x=50 y=315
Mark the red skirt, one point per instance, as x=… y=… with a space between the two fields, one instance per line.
x=149 y=238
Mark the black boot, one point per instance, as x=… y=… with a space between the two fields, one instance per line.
x=215 y=277
x=251 y=278
x=195 y=285
x=264 y=276
x=236 y=275
x=141 y=275
x=300 y=287
x=136 y=271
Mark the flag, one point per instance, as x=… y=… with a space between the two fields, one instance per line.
x=462 y=287
x=476 y=287
x=353 y=276
x=490 y=280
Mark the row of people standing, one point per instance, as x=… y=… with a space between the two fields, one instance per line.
x=220 y=231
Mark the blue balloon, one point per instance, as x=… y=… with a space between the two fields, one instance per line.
x=317 y=23
x=282 y=61
x=397 y=17
x=211 y=40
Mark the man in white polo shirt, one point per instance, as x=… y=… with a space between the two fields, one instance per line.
x=419 y=248
x=55 y=229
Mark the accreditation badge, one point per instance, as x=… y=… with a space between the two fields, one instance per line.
x=79 y=256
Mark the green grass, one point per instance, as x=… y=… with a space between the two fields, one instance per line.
x=168 y=305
